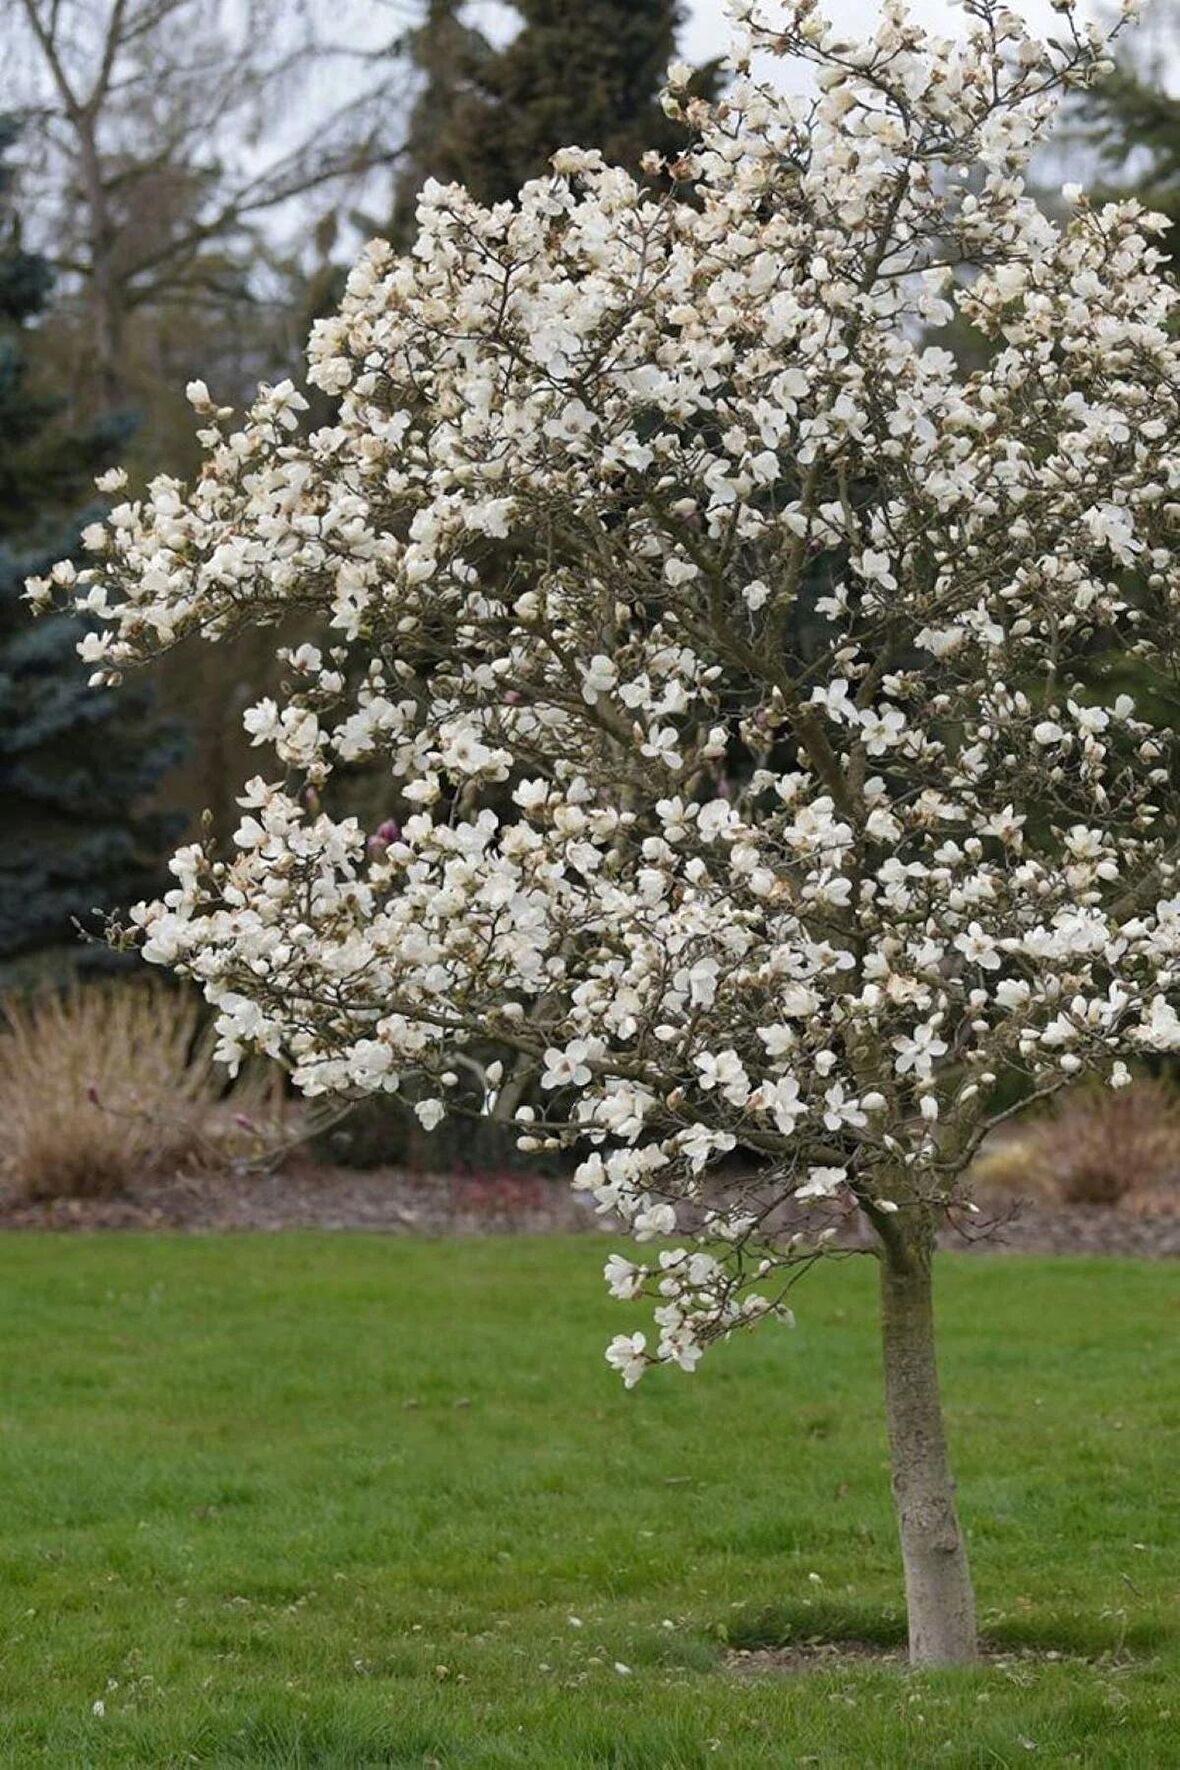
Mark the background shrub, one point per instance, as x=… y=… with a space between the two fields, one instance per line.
x=1096 y=1146
x=108 y=1083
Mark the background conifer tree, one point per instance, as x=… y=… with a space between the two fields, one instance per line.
x=77 y=769
x=1135 y=120
x=490 y=118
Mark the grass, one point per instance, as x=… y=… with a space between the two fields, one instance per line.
x=315 y=1500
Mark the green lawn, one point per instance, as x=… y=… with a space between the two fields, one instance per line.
x=335 y=1500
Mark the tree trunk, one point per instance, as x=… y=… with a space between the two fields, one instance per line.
x=939 y=1598
x=106 y=296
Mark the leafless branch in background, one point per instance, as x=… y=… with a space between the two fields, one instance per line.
x=178 y=141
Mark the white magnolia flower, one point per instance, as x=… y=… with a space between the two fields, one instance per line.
x=627 y=1354
x=881 y=728
x=725 y=1072
x=822 y=1183
x=1161 y=1029
x=978 y=947
x=624 y=1279
x=653 y=1221
x=599 y=677
x=567 y=1068
x=840 y=1109
x=783 y=1101
x=916 y=1052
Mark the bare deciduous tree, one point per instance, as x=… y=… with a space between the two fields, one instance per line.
x=173 y=132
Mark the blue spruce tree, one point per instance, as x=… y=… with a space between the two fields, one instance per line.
x=77 y=768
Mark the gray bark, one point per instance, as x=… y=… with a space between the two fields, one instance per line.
x=939 y=1598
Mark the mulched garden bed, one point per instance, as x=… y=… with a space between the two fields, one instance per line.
x=1028 y=1228
x=390 y=1200
x=841 y=1656
x=310 y=1196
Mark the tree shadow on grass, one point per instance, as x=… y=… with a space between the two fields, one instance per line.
x=863 y=1630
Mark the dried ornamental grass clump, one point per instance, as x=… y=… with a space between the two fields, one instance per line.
x=111 y=1083
x=1096 y=1146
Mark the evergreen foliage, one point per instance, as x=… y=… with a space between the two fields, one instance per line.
x=75 y=765
x=587 y=74
x=1136 y=122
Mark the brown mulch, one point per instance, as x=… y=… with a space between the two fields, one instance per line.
x=305 y=1195
x=840 y=1656
x=812 y=1656
x=309 y=1196
x=1024 y=1227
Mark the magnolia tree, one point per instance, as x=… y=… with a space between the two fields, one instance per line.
x=742 y=671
